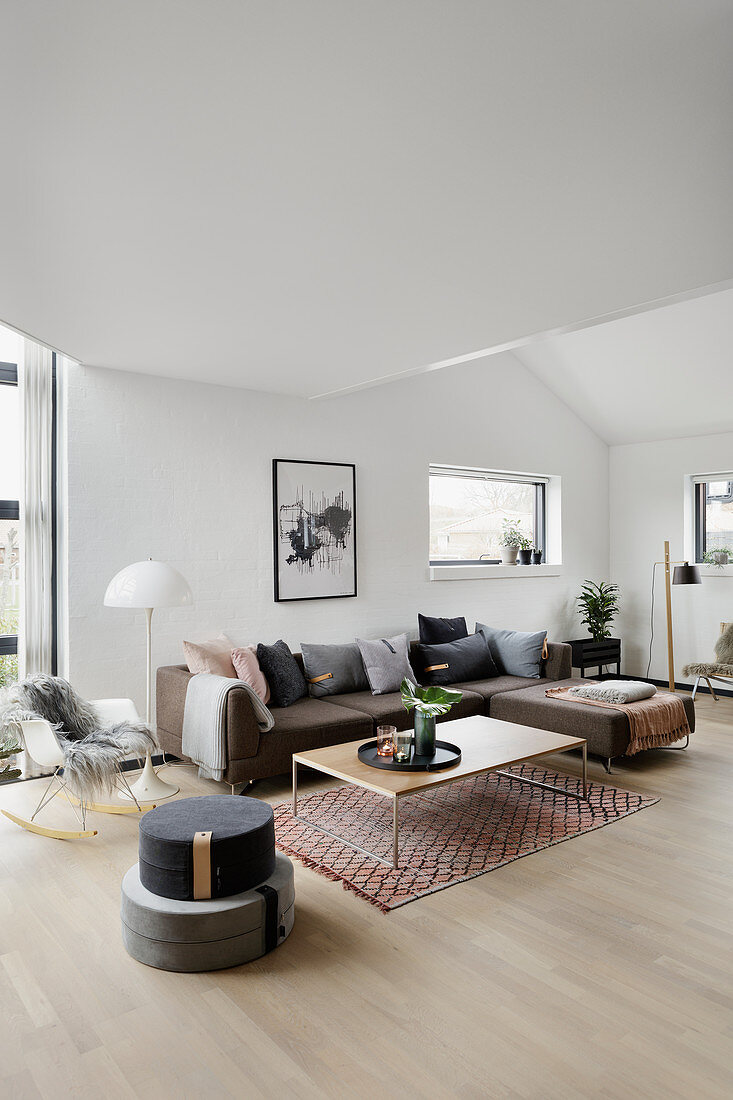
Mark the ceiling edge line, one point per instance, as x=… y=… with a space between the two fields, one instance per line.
x=523 y=341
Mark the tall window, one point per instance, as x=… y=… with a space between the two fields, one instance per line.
x=9 y=522
x=468 y=509
x=713 y=514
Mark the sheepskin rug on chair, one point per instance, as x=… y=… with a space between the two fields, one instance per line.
x=93 y=751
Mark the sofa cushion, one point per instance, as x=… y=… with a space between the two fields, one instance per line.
x=515 y=652
x=282 y=672
x=311 y=723
x=388 y=709
x=606 y=731
x=435 y=631
x=487 y=689
x=465 y=659
x=333 y=669
x=386 y=662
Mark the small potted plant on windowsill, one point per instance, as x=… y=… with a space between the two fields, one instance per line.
x=718 y=556
x=512 y=540
x=525 y=550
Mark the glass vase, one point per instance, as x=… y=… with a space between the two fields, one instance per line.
x=424 y=734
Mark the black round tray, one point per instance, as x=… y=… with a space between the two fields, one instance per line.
x=446 y=755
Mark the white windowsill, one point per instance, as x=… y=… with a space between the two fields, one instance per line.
x=716 y=570
x=493 y=572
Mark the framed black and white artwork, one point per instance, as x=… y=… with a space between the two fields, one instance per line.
x=314 y=506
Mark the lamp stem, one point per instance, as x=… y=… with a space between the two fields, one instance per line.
x=149 y=679
x=668 y=593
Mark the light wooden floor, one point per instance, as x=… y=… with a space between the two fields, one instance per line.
x=601 y=967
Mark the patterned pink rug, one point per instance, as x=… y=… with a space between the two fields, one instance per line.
x=448 y=835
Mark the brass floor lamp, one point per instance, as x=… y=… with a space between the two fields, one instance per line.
x=684 y=573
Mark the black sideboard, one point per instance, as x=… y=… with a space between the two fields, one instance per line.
x=590 y=654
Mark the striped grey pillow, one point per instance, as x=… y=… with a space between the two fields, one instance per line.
x=386 y=663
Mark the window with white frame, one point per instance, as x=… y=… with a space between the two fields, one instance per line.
x=469 y=508
x=713 y=514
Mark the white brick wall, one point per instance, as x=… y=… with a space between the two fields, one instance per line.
x=182 y=472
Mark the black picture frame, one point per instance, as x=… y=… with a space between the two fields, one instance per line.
x=332 y=563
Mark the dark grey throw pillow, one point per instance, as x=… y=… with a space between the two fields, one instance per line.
x=515 y=652
x=282 y=672
x=456 y=662
x=434 y=631
x=333 y=669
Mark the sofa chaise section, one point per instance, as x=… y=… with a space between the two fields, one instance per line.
x=607 y=731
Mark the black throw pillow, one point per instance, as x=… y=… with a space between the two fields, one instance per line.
x=456 y=662
x=434 y=631
x=282 y=672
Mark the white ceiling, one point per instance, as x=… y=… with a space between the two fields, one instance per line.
x=665 y=374
x=303 y=197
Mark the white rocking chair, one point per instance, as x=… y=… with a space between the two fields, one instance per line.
x=42 y=745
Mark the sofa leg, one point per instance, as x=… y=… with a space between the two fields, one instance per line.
x=607 y=764
x=242 y=788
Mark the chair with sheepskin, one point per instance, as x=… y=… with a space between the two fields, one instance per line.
x=82 y=745
x=720 y=670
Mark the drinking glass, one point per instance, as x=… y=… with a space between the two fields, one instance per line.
x=402 y=746
x=385 y=740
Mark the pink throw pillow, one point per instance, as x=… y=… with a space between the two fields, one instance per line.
x=214 y=656
x=248 y=670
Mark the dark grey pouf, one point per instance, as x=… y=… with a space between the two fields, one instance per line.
x=188 y=936
x=239 y=852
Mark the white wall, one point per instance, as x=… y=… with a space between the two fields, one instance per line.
x=648 y=505
x=182 y=471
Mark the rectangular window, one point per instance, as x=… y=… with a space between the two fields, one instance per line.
x=9 y=522
x=468 y=510
x=713 y=514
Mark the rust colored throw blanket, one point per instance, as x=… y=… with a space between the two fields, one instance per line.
x=654 y=722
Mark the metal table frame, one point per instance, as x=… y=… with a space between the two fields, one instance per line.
x=406 y=794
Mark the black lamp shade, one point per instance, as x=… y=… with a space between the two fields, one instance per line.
x=686 y=574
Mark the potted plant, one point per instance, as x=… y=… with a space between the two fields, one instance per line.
x=525 y=550
x=511 y=540
x=536 y=556
x=719 y=555
x=599 y=606
x=428 y=703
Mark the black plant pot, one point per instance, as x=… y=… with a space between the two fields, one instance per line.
x=525 y=557
x=536 y=557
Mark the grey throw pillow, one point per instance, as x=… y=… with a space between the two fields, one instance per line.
x=282 y=672
x=386 y=662
x=515 y=652
x=332 y=669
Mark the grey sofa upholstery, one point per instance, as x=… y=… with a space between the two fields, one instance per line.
x=313 y=723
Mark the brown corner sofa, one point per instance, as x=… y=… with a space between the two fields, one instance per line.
x=312 y=723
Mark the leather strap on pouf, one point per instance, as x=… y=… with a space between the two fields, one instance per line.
x=201 y=866
x=271 y=906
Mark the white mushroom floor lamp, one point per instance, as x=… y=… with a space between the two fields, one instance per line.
x=149 y=584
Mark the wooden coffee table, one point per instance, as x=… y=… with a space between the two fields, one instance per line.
x=487 y=745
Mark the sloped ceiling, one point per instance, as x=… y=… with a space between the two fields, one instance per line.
x=303 y=197
x=664 y=374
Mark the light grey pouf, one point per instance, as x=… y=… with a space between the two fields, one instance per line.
x=207 y=935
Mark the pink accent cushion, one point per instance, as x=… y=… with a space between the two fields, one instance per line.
x=248 y=669
x=213 y=656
